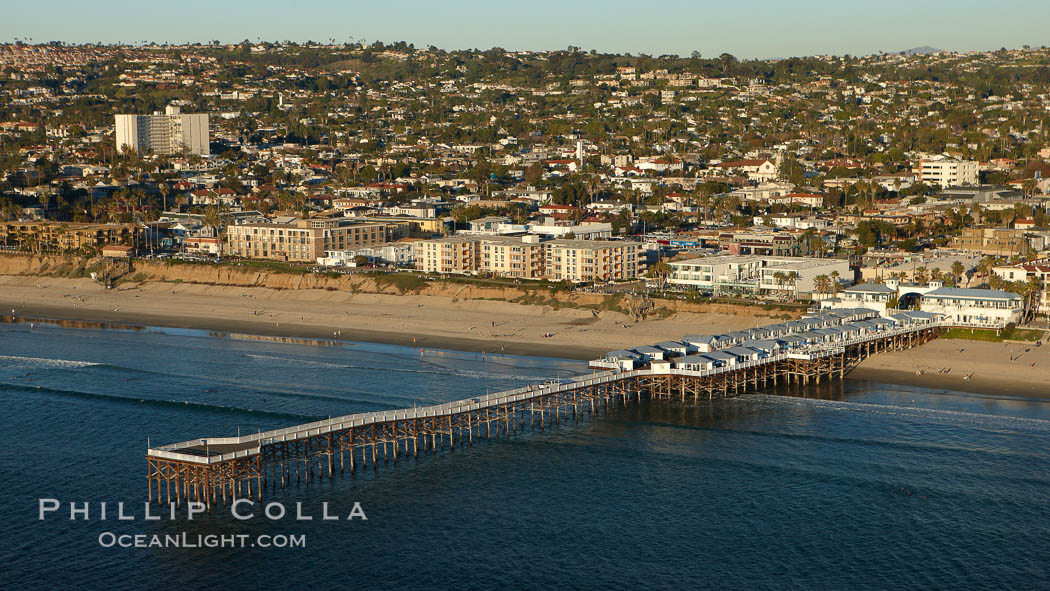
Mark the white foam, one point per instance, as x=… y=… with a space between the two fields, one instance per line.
x=447 y=371
x=913 y=411
x=42 y=362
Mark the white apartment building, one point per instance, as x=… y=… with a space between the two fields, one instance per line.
x=1024 y=272
x=974 y=307
x=169 y=132
x=980 y=308
x=872 y=296
x=394 y=254
x=755 y=274
x=717 y=272
x=798 y=275
x=947 y=172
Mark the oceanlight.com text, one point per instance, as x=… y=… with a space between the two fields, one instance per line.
x=185 y=540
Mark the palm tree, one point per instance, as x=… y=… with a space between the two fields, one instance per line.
x=818 y=245
x=921 y=276
x=793 y=278
x=1029 y=186
x=660 y=271
x=1034 y=289
x=984 y=266
x=822 y=283
x=835 y=285
x=213 y=218
x=957 y=271
x=780 y=277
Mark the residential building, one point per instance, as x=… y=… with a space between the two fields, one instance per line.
x=528 y=257
x=452 y=254
x=756 y=170
x=992 y=241
x=503 y=256
x=301 y=240
x=169 y=132
x=591 y=260
x=974 y=307
x=872 y=296
x=798 y=275
x=399 y=254
x=946 y=172
x=1024 y=273
x=717 y=273
x=42 y=236
x=760 y=243
x=755 y=274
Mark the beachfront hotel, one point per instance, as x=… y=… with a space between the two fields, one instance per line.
x=529 y=257
x=591 y=260
x=980 y=308
x=974 y=307
x=301 y=240
x=754 y=273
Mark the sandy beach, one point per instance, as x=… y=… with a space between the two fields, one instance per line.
x=414 y=320
x=997 y=368
x=481 y=325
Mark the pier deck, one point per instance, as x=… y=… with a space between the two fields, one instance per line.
x=221 y=469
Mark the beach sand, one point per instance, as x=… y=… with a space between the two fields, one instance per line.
x=481 y=325
x=413 y=320
x=997 y=368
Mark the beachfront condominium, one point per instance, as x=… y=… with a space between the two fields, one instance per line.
x=503 y=256
x=590 y=260
x=170 y=132
x=529 y=257
x=45 y=236
x=301 y=240
x=974 y=307
x=756 y=274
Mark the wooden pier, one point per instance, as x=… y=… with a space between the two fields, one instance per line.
x=221 y=470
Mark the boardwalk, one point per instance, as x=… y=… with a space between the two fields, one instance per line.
x=222 y=469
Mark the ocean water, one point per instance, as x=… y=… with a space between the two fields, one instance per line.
x=858 y=485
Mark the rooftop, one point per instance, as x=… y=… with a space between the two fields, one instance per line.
x=973 y=294
x=870 y=288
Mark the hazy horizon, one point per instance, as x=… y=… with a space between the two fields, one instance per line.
x=763 y=30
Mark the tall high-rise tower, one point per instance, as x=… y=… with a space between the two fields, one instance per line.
x=169 y=132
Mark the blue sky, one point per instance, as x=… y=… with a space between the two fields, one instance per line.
x=746 y=28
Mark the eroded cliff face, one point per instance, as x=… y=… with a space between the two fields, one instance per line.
x=144 y=271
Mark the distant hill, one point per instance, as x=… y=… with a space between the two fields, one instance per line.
x=924 y=50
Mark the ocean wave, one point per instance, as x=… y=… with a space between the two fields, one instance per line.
x=185 y=404
x=45 y=363
x=954 y=416
x=896 y=444
x=447 y=371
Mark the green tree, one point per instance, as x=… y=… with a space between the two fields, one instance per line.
x=957 y=271
x=660 y=271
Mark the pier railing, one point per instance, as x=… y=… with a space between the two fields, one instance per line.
x=213 y=469
x=251 y=444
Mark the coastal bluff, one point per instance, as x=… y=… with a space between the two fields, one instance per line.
x=152 y=271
